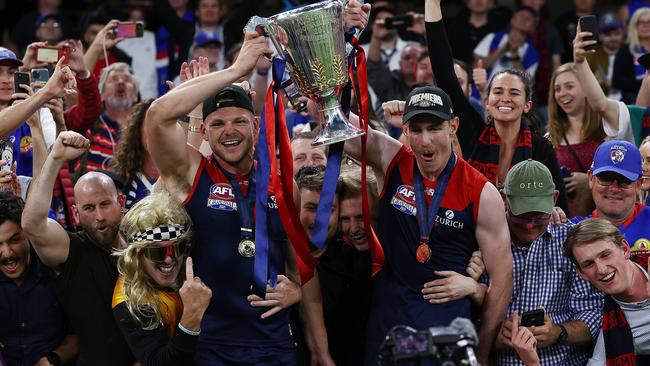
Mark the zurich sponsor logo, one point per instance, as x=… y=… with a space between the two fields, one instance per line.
x=449 y=214
x=404 y=200
x=449 y=221
x=222 y=197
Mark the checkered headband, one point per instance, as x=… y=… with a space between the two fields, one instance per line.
x=159 y=233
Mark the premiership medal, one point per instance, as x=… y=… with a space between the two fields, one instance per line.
x=423 y=253
x=246 y=248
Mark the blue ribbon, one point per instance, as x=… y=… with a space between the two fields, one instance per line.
x=426 y=217
x=262 y=176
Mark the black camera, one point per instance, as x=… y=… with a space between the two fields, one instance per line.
x=446 y=346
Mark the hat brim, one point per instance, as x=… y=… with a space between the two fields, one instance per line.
x=523 y=204
x=626 y=173
x=11 y=62
x=439 y=115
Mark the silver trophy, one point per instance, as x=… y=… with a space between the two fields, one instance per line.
x=311 y=41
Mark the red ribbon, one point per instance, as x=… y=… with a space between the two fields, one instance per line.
x=282 y=184
x=360 y=84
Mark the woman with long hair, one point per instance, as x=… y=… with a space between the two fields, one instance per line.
x=132 y=162
x=159 y=313
x=628 y=73
x=511 y=134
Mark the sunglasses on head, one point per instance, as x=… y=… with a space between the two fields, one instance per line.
x=158 y=254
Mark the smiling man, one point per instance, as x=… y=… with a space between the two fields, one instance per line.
x=418 y=239
x=614 y=180
x=218 y=193
x=602 y=257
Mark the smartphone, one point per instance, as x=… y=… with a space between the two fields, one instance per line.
x=7 y=151
x=533 y=318
x=130 y=30
x=21 y=78
x=40 y=77
x=399 y=21
x=589 y=24
x=292 y=93
x=566 y=172
x=52 y=55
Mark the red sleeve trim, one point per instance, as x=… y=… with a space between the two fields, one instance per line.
x=401 y=154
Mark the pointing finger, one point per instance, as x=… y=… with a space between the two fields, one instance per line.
x=189 y=269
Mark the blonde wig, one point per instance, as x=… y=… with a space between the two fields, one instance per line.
x=632 y=33
x=157 y=209
x=558 y=121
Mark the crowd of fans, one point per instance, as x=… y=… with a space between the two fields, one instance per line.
x=508 y=171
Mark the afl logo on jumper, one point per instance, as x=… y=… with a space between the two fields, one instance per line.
x=222 y=197
x=404 y=200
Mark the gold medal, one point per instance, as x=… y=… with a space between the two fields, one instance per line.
x=246 y=248
x=423 y=253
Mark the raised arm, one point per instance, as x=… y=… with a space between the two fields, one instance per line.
x=442 y=64
x=494 y=241
x=606 y=107
x=61 y=82
x=49 y=239
x=380 y=148
x=174 y=159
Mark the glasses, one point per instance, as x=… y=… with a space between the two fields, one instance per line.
x=535 y=220
x=607 y=180
x=158 y=254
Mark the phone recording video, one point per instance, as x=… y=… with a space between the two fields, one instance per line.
x=40 y=77
x=130 y=30
x=52 y=54
x=399 y=21
x=533 y=318
x=589 y=24
x=21 y=78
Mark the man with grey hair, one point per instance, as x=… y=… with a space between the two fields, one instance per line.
x=119 y=92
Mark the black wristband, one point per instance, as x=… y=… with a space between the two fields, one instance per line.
x=185 y=119
x=564 y=335
x=53 y=358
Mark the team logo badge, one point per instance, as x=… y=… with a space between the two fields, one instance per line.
x=404 y=200
x=222 y=197
x=617 y=155
x=25 y=144
x=641 y=245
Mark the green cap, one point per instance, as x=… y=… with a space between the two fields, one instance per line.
x=529 y=187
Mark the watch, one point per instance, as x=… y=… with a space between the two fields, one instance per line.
x=53 y=358
x=563 y=335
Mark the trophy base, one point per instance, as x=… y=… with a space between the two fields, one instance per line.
x=335 y=127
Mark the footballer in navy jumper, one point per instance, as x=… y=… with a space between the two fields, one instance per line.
x=434 y=211
x=239 y=328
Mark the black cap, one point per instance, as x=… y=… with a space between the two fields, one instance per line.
x=429 y=100
x=231 y=96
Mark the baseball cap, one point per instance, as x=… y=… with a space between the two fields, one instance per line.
x=202 y=39
x=8 y=57
x=618 y=156
x=529 y=187
x=609 y=21
x=231 y=96
x=429 y=100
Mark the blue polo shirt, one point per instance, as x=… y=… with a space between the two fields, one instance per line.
x=32 y=322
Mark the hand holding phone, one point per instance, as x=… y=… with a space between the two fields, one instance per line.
x=52 y=54
x=21 y=78
x=533 y=318
x=566 y=172
x=589 y=24
x=399 y=21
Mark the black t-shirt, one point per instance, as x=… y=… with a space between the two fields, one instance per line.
x=346 y=286
x=85 y=290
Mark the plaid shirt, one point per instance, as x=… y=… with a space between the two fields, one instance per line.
x=544 y=277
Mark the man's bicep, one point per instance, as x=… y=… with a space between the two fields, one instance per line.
x=169 y=149
x=492 y=233
x=51 y=244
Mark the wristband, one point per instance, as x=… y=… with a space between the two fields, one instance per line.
x=184 y=119
x=262 y=73
x=193 y=128
x=193 y=116
x=53 y=358
x=187 y=331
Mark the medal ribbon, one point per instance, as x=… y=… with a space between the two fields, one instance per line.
x=245 y=204
x=426 y=217
x=282 y=184
x=359 y=77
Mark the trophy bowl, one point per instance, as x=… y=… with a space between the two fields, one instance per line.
x=311 y=41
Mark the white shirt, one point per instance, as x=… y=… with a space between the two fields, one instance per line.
x=143 y=61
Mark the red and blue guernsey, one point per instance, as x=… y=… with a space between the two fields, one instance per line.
x=230 y=320
x=398 y=299
x=636 y=230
